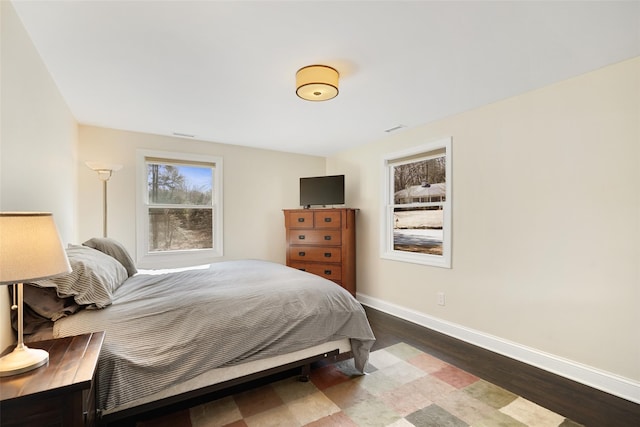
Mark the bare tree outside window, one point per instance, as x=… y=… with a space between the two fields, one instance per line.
x=180 y=207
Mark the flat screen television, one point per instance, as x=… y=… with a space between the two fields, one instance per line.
x=322 y=191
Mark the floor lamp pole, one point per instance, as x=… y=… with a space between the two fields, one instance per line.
x=104 y=208
x=104 y=173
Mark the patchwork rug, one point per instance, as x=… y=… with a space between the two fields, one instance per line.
x=404 y=387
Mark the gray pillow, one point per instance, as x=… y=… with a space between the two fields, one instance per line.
x=32 y=323
x=46 y=302
x=93 y=279
x=115 y=249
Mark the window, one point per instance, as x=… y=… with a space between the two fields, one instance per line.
x=417 y=205
x=179 y=217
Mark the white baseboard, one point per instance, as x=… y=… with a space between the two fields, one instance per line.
x=605 y=381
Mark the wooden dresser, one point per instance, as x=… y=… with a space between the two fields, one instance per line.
x=61 y=393
x=323 y=242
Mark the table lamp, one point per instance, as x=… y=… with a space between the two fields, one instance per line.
x=30 y=250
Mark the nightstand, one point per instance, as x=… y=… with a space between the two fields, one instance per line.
x=61 y=393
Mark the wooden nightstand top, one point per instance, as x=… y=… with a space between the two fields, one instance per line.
x=72 y=364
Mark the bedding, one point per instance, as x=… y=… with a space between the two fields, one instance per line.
x=95 y=275
x=46 y=303
x=221 y=378
x=94 y=278
x=114 y=249
x=166 y=327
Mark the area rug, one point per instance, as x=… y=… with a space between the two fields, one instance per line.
x=403 y=387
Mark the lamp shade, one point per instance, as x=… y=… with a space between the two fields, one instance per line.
x=317 y=83
x=30 y=248
x=104 y=170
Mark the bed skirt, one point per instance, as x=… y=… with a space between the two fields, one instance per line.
x=203 y=383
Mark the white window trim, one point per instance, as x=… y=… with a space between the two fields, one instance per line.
x=386 y=224
x=146 y=259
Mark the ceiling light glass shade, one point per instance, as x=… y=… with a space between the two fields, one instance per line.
x=317 y=83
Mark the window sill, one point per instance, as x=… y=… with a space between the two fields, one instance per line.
x=175 y=259
x=424 y=259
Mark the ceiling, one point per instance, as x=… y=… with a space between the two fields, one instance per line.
x=224 y=71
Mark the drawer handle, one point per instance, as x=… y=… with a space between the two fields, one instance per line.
x=327 y=272
x=301 y=237
x=301 y=253
x=327 y=254
x=327 y=220
x=327 y=237
x=300 y=219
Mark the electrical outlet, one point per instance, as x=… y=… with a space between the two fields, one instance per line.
x=440 y=298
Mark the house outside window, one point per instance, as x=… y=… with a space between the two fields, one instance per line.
x=179 y=220
x=417 y=205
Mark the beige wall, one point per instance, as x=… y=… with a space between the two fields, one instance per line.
x=38 y=140
x=258 y=184
x=546 y=221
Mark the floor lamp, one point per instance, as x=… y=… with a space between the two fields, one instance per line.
x=104 y=171
x=30 y=250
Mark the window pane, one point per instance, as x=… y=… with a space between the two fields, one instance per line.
x=417 y=204
x=180 y=229
x=423 y=181
x=179 y=185
x=418 y=230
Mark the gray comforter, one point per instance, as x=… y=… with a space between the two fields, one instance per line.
x=163 y=329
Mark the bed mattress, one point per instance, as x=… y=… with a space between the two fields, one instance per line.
x=166 y=328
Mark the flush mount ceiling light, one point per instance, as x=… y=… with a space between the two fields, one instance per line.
x=317 y=83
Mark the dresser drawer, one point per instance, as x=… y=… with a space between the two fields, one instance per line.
x=300 y=219
x=327 y=219
x=323 y=242
x=328 y=271
x=315 y=253
x=315 y=237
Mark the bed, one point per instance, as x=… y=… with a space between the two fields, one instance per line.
x=174 y=334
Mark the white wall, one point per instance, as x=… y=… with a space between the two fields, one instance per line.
x=546 y=222
x=258 y=184
x=38 y=141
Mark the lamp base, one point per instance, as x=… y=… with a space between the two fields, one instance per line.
x=22 y=359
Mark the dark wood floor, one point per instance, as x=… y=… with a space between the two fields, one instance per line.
x=575 y=401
